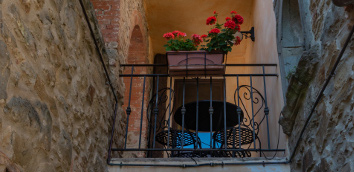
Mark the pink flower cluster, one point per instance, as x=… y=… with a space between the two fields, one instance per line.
x=197 y=39
x=174 y=34
x=169 y=36
x=177 y=33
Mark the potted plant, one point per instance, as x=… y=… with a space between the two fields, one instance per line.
x=183 y=57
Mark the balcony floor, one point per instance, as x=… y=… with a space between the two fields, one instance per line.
x=199 y=164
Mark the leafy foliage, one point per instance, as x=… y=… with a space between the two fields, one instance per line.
x=220 y=42
x=224 y=39
x=180 y=45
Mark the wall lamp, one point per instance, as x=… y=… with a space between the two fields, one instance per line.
x=246 y=34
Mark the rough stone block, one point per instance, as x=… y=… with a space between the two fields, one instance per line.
x=4 y=68
x=346 y=168
x=307 y=161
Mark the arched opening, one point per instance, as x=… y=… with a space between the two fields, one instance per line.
x=136 y=94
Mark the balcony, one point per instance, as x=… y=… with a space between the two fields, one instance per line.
x=233 y=115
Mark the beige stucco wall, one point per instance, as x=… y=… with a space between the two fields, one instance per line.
x=264 y=50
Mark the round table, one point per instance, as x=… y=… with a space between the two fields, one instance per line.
x=232 y=117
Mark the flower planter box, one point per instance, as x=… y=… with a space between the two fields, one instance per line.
x=185 y=63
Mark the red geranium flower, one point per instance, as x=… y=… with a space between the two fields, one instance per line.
x=177 y=33
x=181 y=34
x=233 y=13
x=214 y=31
x=204 y=36
x=168 y=36
x=237 y=40
x=228 y=18
x=197 y=39
x=211 y=20
x=230 y=24
x=238 y=27
x=238 y=19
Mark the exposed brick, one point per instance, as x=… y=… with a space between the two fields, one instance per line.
x=136 y=50
x=107 y=13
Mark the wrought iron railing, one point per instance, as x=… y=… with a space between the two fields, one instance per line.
x=198 y=116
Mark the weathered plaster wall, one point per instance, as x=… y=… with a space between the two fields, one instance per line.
x=327 y=143
x=265 y=51
x=55 y=105
x=290 y=38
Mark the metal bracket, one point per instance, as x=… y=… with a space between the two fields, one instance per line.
x=248 y=34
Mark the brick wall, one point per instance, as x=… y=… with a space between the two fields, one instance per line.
x=124 y=29
x=137 y=55
x=107 y=13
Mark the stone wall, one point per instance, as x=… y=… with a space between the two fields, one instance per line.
x=55 y=105
x=327 y=144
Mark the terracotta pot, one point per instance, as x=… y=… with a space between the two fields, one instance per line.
x=195 y=63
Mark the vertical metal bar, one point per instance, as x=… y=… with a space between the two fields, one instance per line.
x=156 y=110
x=266 y=109
x=225 y=143
x=142 y=112
x=186 y=64
x=233 y=140
x=205 y=64
x=149 y=119
x=183 y=110
x=129 y=110
x=211 y=111
x=238 y=112
x=197 y=115
x=254 y=133
x=169 y=113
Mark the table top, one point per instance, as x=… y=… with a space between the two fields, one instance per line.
x=204 y=116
